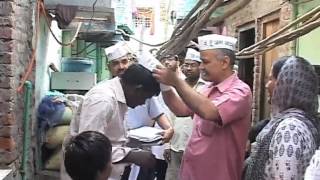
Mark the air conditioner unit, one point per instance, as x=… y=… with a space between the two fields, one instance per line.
x=72 y=80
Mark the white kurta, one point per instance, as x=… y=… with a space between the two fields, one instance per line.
x=103 y=109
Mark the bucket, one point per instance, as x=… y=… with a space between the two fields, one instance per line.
x=77 y=64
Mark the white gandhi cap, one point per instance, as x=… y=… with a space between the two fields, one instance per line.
x=215 y=41
x=147 y=60
x=116 y=51
x=193 y=55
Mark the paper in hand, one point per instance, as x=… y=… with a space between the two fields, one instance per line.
x=147 y=60
x=146 y=134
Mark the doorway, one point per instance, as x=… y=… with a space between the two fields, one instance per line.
x=268 y=28
x=246 y=66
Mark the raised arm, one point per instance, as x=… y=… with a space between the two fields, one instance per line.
x=191 y=99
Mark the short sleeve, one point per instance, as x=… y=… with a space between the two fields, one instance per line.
x=154 y=107
x=95 y=115
x=233 y=105
x=290 y=151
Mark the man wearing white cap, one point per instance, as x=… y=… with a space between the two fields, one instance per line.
x=119 y=58
x=183 y=125
x=104 y=109
x=221 y=112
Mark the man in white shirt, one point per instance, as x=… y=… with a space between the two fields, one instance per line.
x=104 y=109
x=120 y=58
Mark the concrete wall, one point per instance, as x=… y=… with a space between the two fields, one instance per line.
x=48 y=51
x=15 y=50
x=100 y=3
x=307 y=44
x=253 y=16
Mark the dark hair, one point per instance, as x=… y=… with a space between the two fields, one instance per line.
x=192 y=46
x=230 y=54
x=136 y=74
x=182 y=55
x=277 y=65
x=256 y=129
x=87 y=154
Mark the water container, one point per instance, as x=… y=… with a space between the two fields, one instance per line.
x=77 y=64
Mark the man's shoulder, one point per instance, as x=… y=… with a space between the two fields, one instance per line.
x=239 y=86
x=104 y=87
x=101 y=92
x=239 y=83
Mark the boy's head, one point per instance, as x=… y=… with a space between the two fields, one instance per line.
x=88 y=156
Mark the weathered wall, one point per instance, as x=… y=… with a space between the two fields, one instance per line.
x=253 y=16
x=48 y=51
x=15 y=50
x=306 y=44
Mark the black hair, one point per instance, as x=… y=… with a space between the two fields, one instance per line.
x=256 y=129
x=192 y=46
x=277 y=65
x=136 y=74
x=230 y=54
x=87 y=154
x=182 y=54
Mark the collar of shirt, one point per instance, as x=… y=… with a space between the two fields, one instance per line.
x=201 y=82
x=119 y=90
x=226 y=83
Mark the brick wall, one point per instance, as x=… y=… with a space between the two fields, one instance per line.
x=251 y=15
x=15 y=49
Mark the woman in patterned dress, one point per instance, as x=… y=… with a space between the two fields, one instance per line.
x=286 y=144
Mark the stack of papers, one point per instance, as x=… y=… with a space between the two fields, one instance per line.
x=146 y=134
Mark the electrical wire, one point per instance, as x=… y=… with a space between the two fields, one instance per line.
x=93 y=10
x=85 y=48
x=152 y=45
x=54 y=36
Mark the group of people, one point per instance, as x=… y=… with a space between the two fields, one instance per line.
x=204 y=110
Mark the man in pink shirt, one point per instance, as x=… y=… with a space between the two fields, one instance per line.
x=222 y=112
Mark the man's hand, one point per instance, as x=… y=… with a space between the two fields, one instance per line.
x=167 y=155
x=167 y=76
x=167 y=135
x=141 y=158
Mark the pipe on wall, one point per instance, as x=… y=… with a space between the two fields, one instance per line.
x=26 y=130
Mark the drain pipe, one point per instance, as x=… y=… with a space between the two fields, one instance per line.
x=26 y=130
